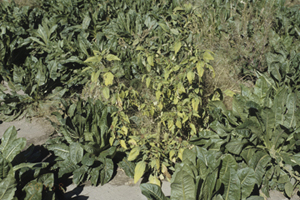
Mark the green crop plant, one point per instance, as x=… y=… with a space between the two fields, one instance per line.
x=24 y=174
x=83 y=148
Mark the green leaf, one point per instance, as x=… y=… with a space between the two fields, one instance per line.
x=139 y=170
x=288 y=188
x=248 y=180
x=5 y=167
x=182 y=185
x=79 y=174
x=152 y=191
x=177 y=47
x=33 y=190
x=128 y=167
x=61 y=150
x=258 y=162
x=232 y=185
x=14 y=148
x=107 y=171
x=200 y=68
x=134 y=153
x=7 y=188
x=228 y=162
x=111 y=57
x=76 y=152
x=9 y=135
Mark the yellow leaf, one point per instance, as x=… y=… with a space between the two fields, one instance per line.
x=108 y=78
x=139 y=171
x=157 y=164
x=111 y=140
x=125 y=130
x=134 y=153
x=178 y=123
x=148 y=80
x=177 y=46
x=190 y=76
x=94 y=59
x=111 y=57
x=195 y=103
x=123 y=144
x=154 y=180
x=200 y=68
x=192 y=126
x=180 y=88
x=140 y=48
x=229 y=93
x=207 y=56
x=157 y=94
x=170 y=124
x=180 y=152
x=105 y=92
x=171 y=154
x=132 y=142
x=150 y=60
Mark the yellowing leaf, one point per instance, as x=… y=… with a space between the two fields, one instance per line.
x=157 y=94
x=125 y=130
x=195 y=103
x=123 y=144
x=108 y=78
x=94 y=59
x=105 y=92
x=132 y=142
x=192 y=126
x=150 y=60
x=229 y=93
x=200 y=68
x=95 y=76
x=170 y=124
x=139 y=170
x=134 y=153
x=178 y=123
x=177 y=46
x=207 y=56
x=180 y=88
x=111 y=57
x=154 y=180
x=190 y=76
x=171 y=154
x=157 y=164
x=180 y=152
x=148 y=80
x=140 y=48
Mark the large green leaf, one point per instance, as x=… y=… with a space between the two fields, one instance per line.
x=183 y=185
x=76 y=152
x=34 y=190
x=5 y=167
x=7 y=188
x=152 y=191
x=232 y=185
x=247 y=180
x=9 y=135
x=228 y=162
x=107 y=171
x=61 y=150
x=258 y=162
x=13 y=148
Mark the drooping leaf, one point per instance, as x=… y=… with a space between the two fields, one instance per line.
x=152 y=191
